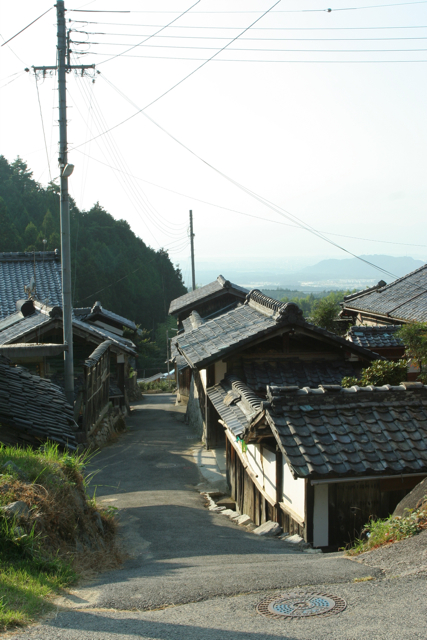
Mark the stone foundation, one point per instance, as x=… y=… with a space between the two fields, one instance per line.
x=111 y=423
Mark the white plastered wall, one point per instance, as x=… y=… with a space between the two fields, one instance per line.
x=263 y=463
x=321 y=516
x=203 y=378
x=293 y=492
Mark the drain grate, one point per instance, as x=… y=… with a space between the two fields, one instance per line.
x=166 y=465
x=300 y=604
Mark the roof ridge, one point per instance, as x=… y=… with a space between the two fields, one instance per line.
x=281 y=393
x=16 y=256
x=281 y=311
x=250 y=396
x=358 y=294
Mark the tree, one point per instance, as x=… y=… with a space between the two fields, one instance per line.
x=30 y=236
x=9 y=237
x=379 y=373
x=325 y=314
x=414 y=337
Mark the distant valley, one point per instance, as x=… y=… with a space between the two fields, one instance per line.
x=329 y=274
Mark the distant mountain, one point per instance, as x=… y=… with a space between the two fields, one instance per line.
x=352 y=268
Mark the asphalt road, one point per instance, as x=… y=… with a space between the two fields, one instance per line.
x=194 y=574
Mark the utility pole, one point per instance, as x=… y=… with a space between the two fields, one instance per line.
x=193 y=271
x=65 y=169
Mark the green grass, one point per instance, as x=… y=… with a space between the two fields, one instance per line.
x=378 y=533
x=29 y=574
x=26 y=584
x=167 y=386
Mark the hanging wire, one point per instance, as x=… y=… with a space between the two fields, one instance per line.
x=43 y=129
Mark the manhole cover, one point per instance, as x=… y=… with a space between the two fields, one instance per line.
x=166 y=465
x=300 y=604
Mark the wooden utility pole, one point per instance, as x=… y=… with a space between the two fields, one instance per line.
x=65 y=170
x=193 y=270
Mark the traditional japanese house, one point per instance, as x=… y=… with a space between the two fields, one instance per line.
x=262 y=341
x=400 y=302
x=41 y=324
x=191 y=310
x=322 y=461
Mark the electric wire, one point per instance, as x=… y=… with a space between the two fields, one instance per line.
x=250 y=215
x=95 y=293
x=43 y=129
x=279 y=210
x=194 y=70
x=127 y=185
x=154 y=34
x=28 y=25
x=327 y=10
x=255 y=61
x=163 y=225
x=227 y=28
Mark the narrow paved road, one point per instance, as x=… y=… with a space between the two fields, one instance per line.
x=194 y=574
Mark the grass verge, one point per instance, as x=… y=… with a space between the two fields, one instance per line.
x=378 y=533
x=57 y=533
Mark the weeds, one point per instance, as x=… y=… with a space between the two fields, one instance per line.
x=381 y=532
x=42 y=549
x=167 y=386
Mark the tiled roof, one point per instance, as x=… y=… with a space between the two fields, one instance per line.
x=404 y=299
x=298 y=373
x=381 y=337
x=32 y=406
x=16 y=272
x=235 y=402
x=336 y=432
x=16 y=327
x=259 y=316
x=212 y=289
x=97 y=312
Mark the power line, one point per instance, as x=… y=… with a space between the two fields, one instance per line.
x=282 y=212
x=253 y=61
x=217 y=28
x=44 y=133
x=28 y=25
x=250 y=215
x=279 y=50
x=154 y=34
x=174 y=46
x=328 y=10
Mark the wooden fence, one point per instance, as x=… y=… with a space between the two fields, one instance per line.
x=96 y=386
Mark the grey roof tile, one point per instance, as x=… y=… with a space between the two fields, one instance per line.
x=405 y=299
x=297 y=372
x=16 y=271
x=375 y=337
x=352 y=444
x=32 y=406
x=212 y=289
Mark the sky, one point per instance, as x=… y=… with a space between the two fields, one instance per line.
x=309 y=117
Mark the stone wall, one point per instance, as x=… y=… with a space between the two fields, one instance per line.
x=111 y=423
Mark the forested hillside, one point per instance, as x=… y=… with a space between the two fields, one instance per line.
x=109 y=262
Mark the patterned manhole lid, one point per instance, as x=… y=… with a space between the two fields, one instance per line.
x=300 y=604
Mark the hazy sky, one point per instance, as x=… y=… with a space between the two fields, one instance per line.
x=321 y=113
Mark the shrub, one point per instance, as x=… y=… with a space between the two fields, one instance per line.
x=379 y=373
